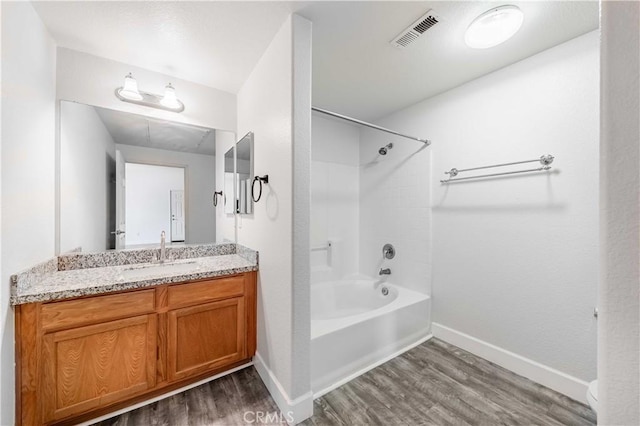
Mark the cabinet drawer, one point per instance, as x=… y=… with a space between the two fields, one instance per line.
x=73 y=313
x=205 y=291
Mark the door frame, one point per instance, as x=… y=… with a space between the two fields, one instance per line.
x=185 y=189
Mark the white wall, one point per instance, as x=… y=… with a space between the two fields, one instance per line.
x=225 y=223
x=28 y=144
x=279 y=87
x=200 y=184
x=335 y=178
x=264 y=107
x=301 y=288
x=148 y=201
x=92 y=80
x=619 y=298
x=87 y=167
x=515 y=259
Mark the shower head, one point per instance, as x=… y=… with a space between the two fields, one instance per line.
x=384 y=149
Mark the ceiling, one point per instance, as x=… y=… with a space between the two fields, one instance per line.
x=355 y=69
x=213 y=43
x=133 y=129
x=357 y=72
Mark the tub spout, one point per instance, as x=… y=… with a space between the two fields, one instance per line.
x=385 y=271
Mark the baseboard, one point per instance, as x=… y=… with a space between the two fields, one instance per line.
x=293 y=411
x=164 y=395
x=560 y=382
x=370 y=367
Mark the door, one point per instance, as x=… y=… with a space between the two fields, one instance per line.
x=121 y=181
x=177 y=215
x=205 y=337
x=88 y=367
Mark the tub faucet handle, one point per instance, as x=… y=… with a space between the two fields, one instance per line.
x=385 y=271
x=388 y=251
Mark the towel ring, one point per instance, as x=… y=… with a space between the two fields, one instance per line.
x=261 y=180
x=215 y=198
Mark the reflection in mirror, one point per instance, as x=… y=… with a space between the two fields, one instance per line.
x=125 y=178
x=244 y=161
x=229 y=179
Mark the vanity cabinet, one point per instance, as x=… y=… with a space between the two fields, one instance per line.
x=84 y=357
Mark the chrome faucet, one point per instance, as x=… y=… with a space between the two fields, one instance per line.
x=163 y=254
x=385 y=271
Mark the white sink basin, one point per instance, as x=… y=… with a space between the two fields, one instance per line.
x=163 y=269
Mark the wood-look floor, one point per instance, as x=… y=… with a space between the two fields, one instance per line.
x=432 y=384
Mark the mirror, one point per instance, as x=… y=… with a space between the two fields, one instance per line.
x=229 y=181
x=124 y=178
x=244 y=164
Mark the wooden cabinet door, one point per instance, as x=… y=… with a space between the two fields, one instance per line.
x=205 y=337
x=89 y=367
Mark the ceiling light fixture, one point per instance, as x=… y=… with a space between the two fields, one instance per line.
x=129 y=93
x=494 y=26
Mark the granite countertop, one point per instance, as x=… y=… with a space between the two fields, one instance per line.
x=56 y=280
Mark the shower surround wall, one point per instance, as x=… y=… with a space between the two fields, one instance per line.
x=334 y=198
x=394 y=208
x=361 y=200
x=515 y=259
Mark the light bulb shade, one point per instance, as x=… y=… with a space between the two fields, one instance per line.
x=494 y=27
x=130 y=89
x=170 y=100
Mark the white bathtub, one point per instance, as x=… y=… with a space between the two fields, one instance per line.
x=341 y=299
x=354 y=327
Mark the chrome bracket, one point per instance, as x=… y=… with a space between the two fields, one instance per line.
x=545 y=160
x=452 y=173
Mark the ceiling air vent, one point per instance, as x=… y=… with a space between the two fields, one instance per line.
x=415 y=30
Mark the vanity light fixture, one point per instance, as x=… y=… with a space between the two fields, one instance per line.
x=129 y=93
x=494 y=27
x=169 y=99
x=130 y=89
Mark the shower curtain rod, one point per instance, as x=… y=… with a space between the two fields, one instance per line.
x=373 y=126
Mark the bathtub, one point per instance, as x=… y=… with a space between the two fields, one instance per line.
x=355 y=327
